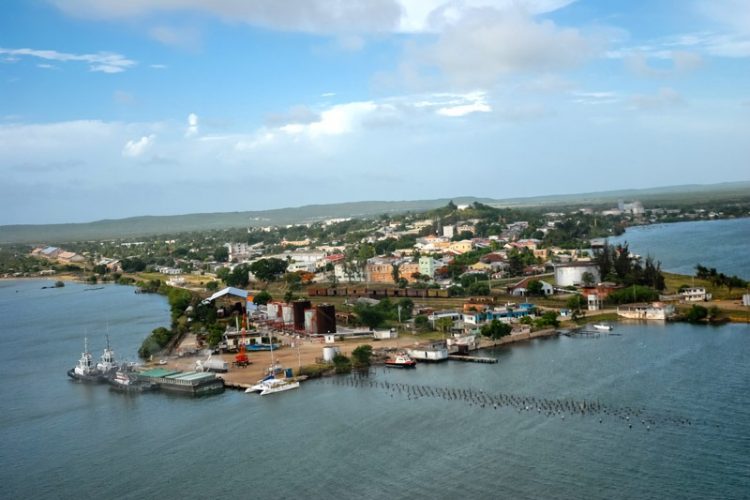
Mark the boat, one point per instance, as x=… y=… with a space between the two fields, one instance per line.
x=270 y=385
x=107 y=366
x=125 y=381
x=400 y=360
x=85 y=370
x=602 y=326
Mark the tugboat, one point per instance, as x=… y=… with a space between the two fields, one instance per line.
x=107 y=366
x=85 y=370
x=400 y=360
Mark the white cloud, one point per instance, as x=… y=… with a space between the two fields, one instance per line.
x=486 y=45
x=666 y=98
x=315 y=16
x=104 y=62
x=677 y=62
x=192 y=128
x=134 y=149
x=183 y=37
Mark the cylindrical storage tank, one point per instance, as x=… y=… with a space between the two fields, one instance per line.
x=298 y=307
x=310 y=326
x=287 y=314
x=326 y=317
x=329 y=352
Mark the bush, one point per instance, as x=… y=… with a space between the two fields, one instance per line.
x=342 y=364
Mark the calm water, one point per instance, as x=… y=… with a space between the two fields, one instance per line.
x=723 y=244
x=347 y=439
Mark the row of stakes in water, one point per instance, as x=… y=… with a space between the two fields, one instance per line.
x=541 y=406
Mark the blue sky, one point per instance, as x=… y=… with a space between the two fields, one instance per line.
x=111 y=109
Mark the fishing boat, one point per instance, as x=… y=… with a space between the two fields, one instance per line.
x=400 y=360
x=85 y=370
x=603 y=327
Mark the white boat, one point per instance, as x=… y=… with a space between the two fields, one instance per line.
x=603 y=327
x=107 y=365
x=85 y=369
x=269 y=385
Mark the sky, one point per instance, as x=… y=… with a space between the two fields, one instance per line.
x=112 y=109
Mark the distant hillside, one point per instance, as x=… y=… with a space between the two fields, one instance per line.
x=171 y=224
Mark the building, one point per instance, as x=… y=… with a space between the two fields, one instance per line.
x=571 y=274
x=380 y=270
x=654 y=311
x=449 y=231
x=695 y=294
x=427 y=266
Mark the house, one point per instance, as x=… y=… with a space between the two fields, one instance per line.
x=427 y=266
x=460 y=247
x=70 y=258
x=653 y=311
x=521 y=288
x=695 y=294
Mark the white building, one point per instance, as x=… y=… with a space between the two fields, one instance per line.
x=571 y=274
x=654 y=311
x=427 y=266
x=695 y=294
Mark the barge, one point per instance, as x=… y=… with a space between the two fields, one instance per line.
x=192 y=383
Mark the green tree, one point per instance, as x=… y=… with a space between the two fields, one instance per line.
x=496 y=329
x=221 y=254
x=262 y=298
x=588 y=279
x=535 y=287
x=239 y=276
x=696 y=314
x=444 y=324
x=361 y=356
x=369 y=316
x=212 y=286
x=421 y=322
x=268 y=269
x=342 y=364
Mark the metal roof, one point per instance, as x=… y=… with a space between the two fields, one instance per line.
x=230 y=290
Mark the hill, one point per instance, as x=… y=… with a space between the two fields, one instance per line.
x=172 y=224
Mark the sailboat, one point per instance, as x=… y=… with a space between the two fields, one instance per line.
x=270 y=384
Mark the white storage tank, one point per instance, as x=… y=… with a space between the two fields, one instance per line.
x=572 y=274
x=310 y=323
x=329 y=352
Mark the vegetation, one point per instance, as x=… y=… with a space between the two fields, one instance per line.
x=361 y=356
x=719 y=279
x=342 y=364
x=496 y=329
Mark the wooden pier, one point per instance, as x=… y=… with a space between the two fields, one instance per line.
x=471 y=359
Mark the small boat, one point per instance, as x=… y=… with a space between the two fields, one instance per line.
x=603 y=326
x=400 y=360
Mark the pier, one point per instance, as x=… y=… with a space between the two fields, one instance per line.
x=472 y=359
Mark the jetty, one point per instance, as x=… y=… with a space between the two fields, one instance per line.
x=472 y=359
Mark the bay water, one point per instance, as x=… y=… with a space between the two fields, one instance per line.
x=722 y=244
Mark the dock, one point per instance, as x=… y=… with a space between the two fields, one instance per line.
x=472 y=359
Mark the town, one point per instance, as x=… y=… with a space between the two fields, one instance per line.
x=441 y=283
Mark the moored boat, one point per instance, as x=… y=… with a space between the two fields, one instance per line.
x=85 y=370
x=400 y=360
x=125 y=381
x=270 y=385
x=603 y=327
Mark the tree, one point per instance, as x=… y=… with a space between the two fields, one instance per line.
x=342 y=364
x=496 y=329
x=361 y=356
x=221 y=254
x=133 y=265
x=535 y=287
x=696 y=314
x=212 y=286
x=395 y=273
x=369 y=316
x=262 y=298
x=268 y=269
x=421 y=322
x=588 y=279
x=239 y=276
x=444 y=324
